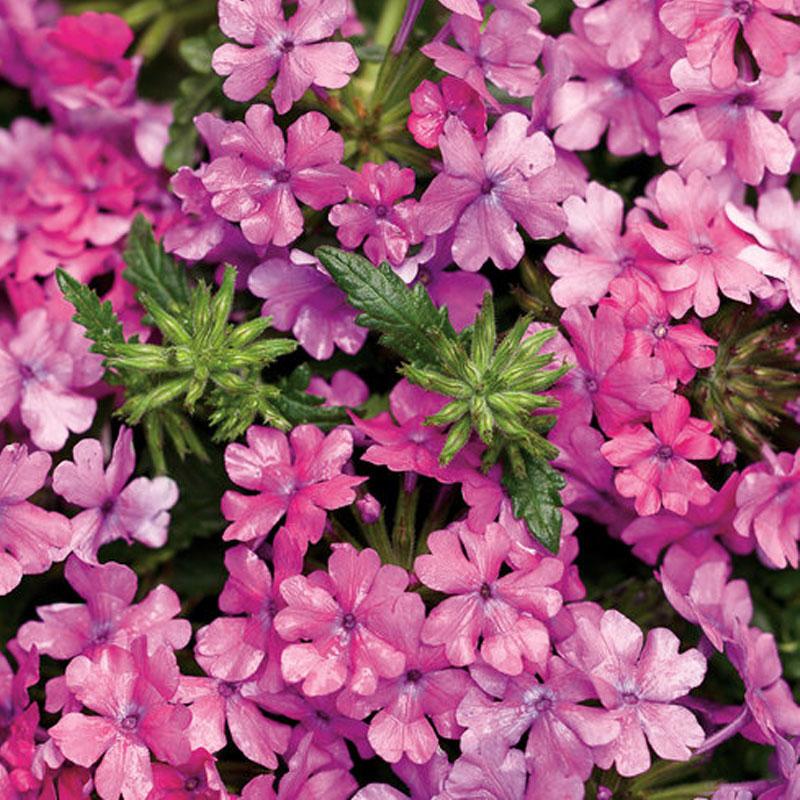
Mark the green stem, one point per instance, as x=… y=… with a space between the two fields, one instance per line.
x=687 y=791
x=404 y=529
x=377 y=537
x=388 y=23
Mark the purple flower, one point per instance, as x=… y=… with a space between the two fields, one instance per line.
x=294 y=49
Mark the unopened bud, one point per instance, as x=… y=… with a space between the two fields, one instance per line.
x=369 y=509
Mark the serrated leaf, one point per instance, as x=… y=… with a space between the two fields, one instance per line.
x=152 y=271
x=408 y=321
x=535 y=498
x=99 y=319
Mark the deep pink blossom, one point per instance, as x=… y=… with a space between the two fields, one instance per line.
x=432 y=106
x=294 y=49
x=108 y=616
x=43 y=369
x=299 y=476
x=428 y=688
x=710 y=30
x=640 y=684
x=334 y=618
x=485 y=195
x=379 y=215
x=561 y=731
x=197 y=779
x=301 y=297
x=505 y=612
x=656 y=468
x=768 y=507
x=503 y=52
x=699 y=236
x=132 y=695
x=260 y=178
x=138 y=511
x=31 y=539
x=345 y=389
x=727 y=126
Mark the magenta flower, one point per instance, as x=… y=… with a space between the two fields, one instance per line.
x=294 y=48
x=259 y=179
x=432 y=106
x=197 y=779
x=336 y=619
x=302 y=482
x=31 y=539
x=639 y=685
x=428 y=688
x=656 y=468
x=43 y=369
x=132 y=695
x=505 y=612
x=710 y=31
x=768 y=507
x=503 y=52
x=561 y=731
x=699 y=236
x=345 y=389
x=108 y=617
x=301 y=297
x=727 y=126
x=484 y=195
x=595 y=225
x=389 y=226
x=682 y=349
x=136 y=512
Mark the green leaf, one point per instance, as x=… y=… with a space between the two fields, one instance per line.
x=535 y=498
x=407 y=319
x=196 y=51
x=152 y=271
x=101 y=322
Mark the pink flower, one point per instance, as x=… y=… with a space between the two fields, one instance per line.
x=469 y=8
x=70 y=629
x=197 y=779
x=699 y=236
x=656 y=464
x=621 y=390
x=132 y=694
x=138 y=511
x=727 y=126
x=302 y=483
x=768 y=507
x=682 y=349
x=427 y=689
x=43 y=368
x=776 y=228
x=258 y=178
x=625 y=28
x=431 y=106
x=337 y=616
x=503 y=52
x=295 y=49
x=595 y=225
x=31 y=539
x=301 y=297
x=345 y=389
x=389 y=226
x=485 y=195
x=710 y=31
x=491 y=770
x=561 y=731
x=639 y=685
x=504 y=611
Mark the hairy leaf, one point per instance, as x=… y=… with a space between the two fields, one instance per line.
x=100 y=320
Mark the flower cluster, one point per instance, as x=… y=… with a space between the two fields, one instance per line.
x=544 y=563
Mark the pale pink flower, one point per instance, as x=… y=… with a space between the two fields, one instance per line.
x=625 y=28
x=259 y=179
x=294 y=48
x=31 y=539
x=505 y=612
x=132 y=696
x=44 y=369
x=138 y=511
x=503 y=52
x=698 y=234
x=656 y=468
x=768 y=507
x=432 y=105
x=640 y=685
x=299 y=476
x=335 y=618
x=484 y=195
x=491 y=771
